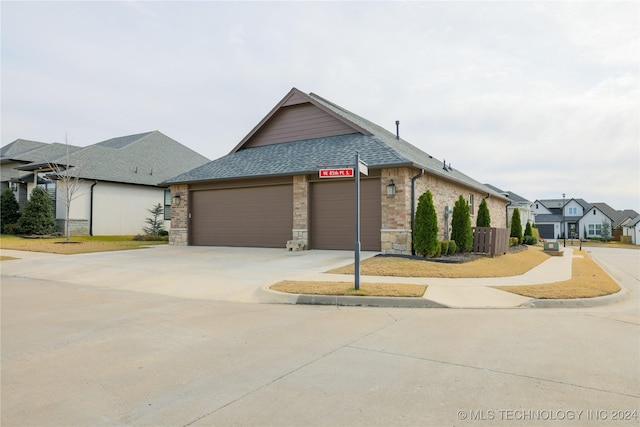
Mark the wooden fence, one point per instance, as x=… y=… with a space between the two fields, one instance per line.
x=492 y=241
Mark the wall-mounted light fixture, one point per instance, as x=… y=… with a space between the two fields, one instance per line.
x=176 y=199
x=391 y=189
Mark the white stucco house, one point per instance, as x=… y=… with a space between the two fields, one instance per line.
x=573 y=218
x=632 y=228
x=119 y=179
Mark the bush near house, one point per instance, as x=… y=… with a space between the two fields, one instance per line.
x=37 y=218
x=426 y=227
x=484 y=217
x=9 y=212
x=461 y=231
x=516 y=225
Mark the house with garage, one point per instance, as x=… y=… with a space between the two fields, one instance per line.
x=118 y=179
x=268 y=190
x=573 y=218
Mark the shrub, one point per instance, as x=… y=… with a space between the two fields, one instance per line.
x=516 y=225
x=444 y=247
x=425 y=236
x=484 y=218
x=37 y=217
x=530 y=240
x=9 y=211
x=513 y=241
x=453 y=248
x=527 y=229
x=461 y=226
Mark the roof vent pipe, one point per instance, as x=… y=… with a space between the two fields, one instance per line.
x=398 y=130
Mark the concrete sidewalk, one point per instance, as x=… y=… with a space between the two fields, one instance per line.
x=245 y=275
x=454 y=293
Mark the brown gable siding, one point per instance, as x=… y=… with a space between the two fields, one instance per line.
x=297 y=122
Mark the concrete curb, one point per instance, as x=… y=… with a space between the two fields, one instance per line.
x=619 y=296
x=355 y=301
x=268 y=296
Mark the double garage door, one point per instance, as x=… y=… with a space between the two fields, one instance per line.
x=262 y=216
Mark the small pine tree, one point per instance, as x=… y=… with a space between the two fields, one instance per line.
x=527 y=229
x=155 y=222
x=484 y=218
x=516 y=225
x=425 y=235
x=37 y=217
x=9 y=210
x=461 y=226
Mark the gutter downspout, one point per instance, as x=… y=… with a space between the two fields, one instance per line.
x=413 y=205
x=91 y=208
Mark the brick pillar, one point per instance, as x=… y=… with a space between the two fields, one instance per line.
x=179 y=232
x=300 y=230
x=395 y=235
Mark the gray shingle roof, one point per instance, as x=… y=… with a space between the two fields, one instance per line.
x=146 y=159
x=511 y=195
x=380 y=149
x=540 y=218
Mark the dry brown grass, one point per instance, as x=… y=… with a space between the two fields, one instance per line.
x=79 y=245
x=501 y=266
x=347 y=288
x=588 y=280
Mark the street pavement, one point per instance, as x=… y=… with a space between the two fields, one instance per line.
x=82 y=349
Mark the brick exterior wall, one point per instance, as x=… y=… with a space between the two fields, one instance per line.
x=396 y=230
x=179 y=232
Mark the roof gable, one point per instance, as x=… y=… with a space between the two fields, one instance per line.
x=297 y=117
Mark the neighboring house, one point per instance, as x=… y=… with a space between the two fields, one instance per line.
x=573 y=218
x=268 y=191
x=619 y=218
x=118 y=179
x=516 y=201
x=632 y=228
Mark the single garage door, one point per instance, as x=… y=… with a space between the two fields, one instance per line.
x=546 y=231
x=333 y=215
x=248 y=216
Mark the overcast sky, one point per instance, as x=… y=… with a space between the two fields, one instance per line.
x=540 y=98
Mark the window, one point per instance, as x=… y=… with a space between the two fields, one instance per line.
x=573 y=211
x=50 y=188
x=471 y=210
x=594 y=230
x=594 y=211
x=167 y=204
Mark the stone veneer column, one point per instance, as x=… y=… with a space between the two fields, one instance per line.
x=395 y=234
x=179 y=232
x=300 y=230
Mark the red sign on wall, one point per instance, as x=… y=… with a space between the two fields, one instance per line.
x=336 y=173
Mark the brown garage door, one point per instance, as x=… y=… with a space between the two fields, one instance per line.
x=251 y=216
x=333 y=215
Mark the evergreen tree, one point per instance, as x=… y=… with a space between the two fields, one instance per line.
x=37 y=217
x=9 y=209
x=516 y=225
x=425 y=235
x=484 y=218
x=527 y=230
x=461 y=226
x=156 y=221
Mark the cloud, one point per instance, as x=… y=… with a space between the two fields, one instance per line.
x=538 y=94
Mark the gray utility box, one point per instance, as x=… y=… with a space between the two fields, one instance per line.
x=551 y=246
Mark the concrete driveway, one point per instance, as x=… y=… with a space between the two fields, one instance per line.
x=213 y=273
